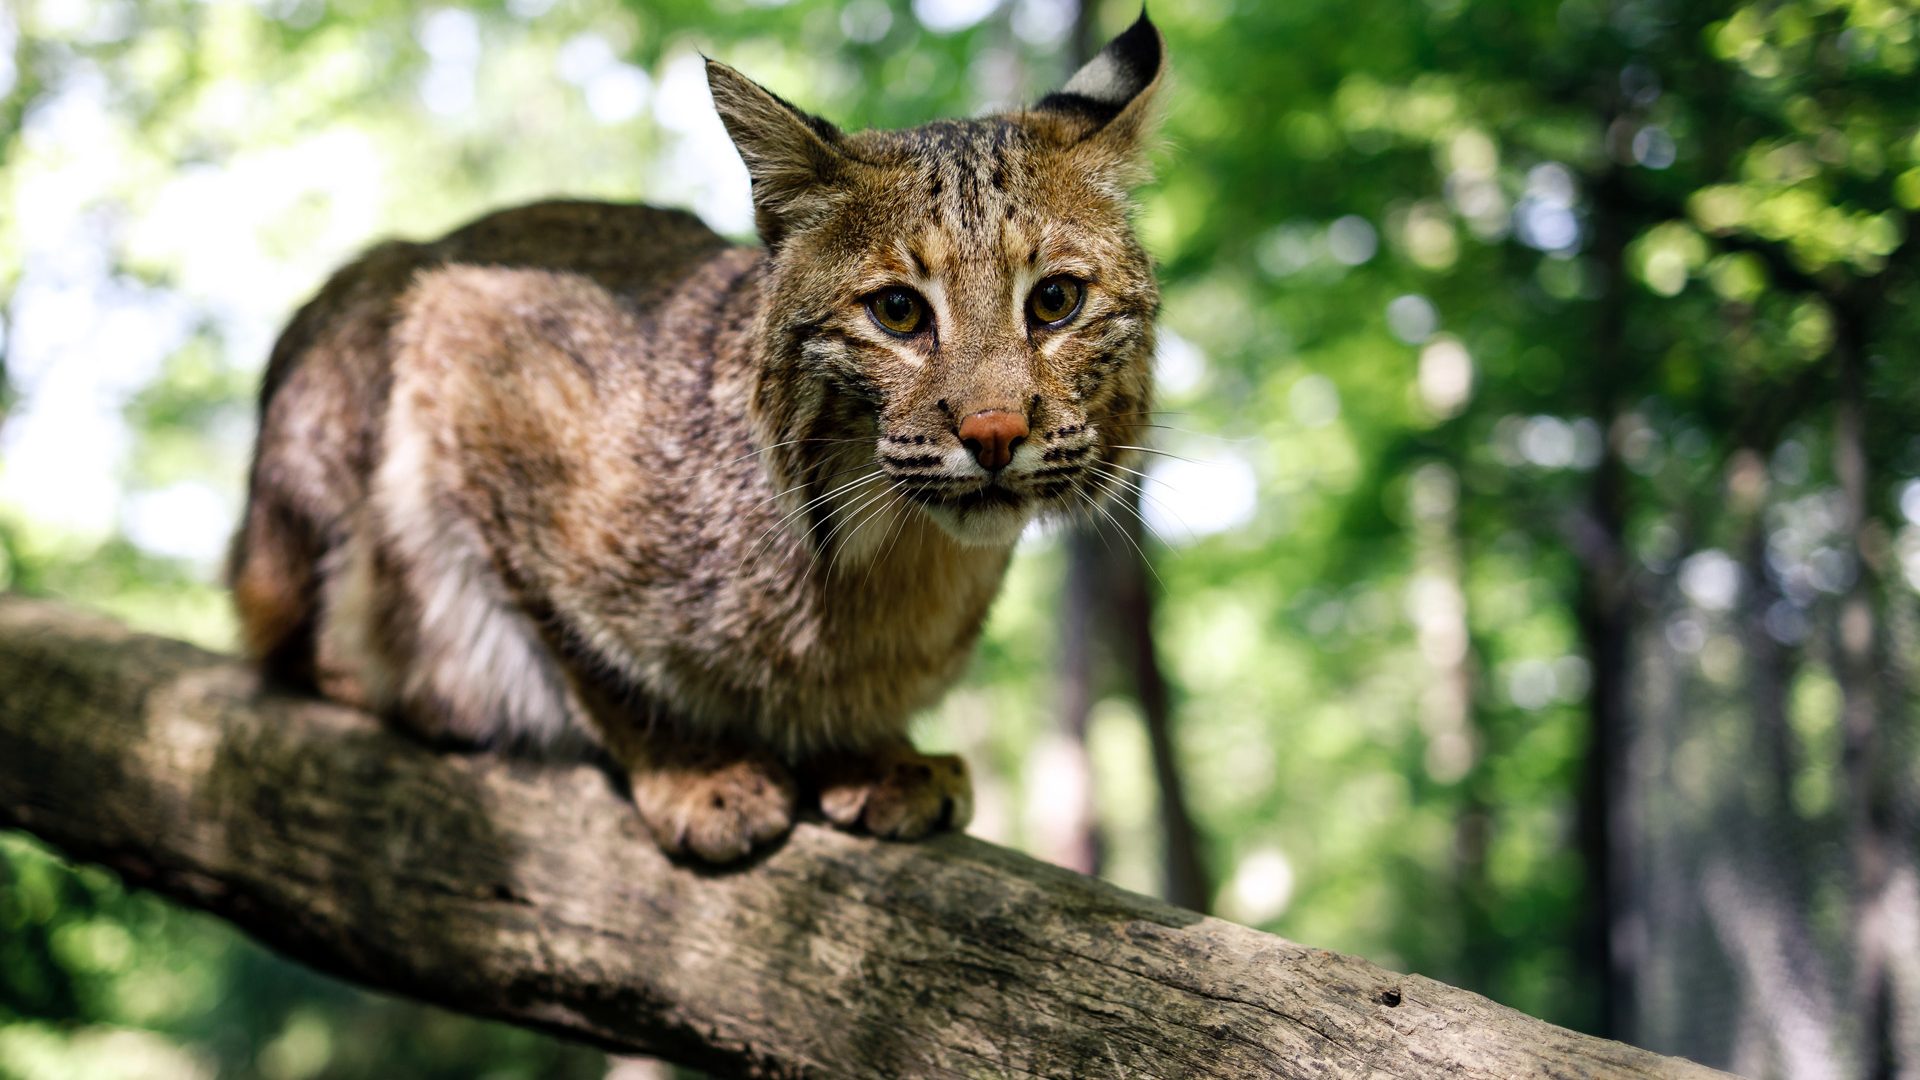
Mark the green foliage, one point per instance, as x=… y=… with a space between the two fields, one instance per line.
x=96 y=981
x=1432 y=270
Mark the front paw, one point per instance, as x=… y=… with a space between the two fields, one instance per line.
x=897 y=792
x=717 y=810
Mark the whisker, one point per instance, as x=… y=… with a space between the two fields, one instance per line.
x=818 y=499
x=1145 y=494
x=1144 y=412
x=811 y=480
x=872 y=510
x=892 y=538
x=1146 y=528
x=1162 y=453
x=1136 y=472
x=1162 y=413
x=1140 y=486
x=1214 y=435
x=756 y=453
x=1128 y=537
x=1087 y=521
x=801 y=509
x=854 y=514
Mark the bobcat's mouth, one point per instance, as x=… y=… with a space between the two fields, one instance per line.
x=989 y=495
x=953 y=494
x=988 y=515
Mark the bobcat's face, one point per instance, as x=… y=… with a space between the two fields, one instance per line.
x=969 y=296
x=990 y=303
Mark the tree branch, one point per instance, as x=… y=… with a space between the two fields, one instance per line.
x=527 y=892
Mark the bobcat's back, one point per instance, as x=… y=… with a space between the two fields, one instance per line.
x=324 y=398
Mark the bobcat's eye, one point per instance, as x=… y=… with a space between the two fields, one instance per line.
x=898 y=311
x=1055 y=300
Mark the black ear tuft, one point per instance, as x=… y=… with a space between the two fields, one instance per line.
x=791 y=154
x=749 y=108
x=1113 y=79
x=821 y=126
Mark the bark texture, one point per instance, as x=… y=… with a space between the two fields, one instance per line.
x=528 y=892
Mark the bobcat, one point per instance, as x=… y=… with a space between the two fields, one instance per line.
x=732 y=514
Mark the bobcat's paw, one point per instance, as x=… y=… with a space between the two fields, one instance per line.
x=717 y=810
x=896 y=792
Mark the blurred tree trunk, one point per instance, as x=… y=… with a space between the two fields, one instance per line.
x=1606 y=617
x=1076 y=843
x=1605 y=825
x=6 y=336
x=1451 y=716
x=1108 y=609
x=1769 y=665
x=1184 y=879
x=1857 y=634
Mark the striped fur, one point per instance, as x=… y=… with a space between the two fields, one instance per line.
x=583 y=470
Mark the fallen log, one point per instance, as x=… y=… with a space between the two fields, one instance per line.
x=527 y=892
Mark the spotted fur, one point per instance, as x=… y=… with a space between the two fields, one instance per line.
x=586 y=470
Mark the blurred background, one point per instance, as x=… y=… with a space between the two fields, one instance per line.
x=1526 y=592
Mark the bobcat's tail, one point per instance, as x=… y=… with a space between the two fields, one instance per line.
x=274 y=575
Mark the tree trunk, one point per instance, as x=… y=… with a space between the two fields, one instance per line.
x=1106 y=558
x=1869 y=807
x=1604 y=608
x=1072 y=837
x=1184 y=880
x=528 y=892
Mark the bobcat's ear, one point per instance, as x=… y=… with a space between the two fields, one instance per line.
x=1107 y=108
x=791 y=155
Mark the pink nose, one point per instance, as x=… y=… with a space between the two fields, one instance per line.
x=992 y=435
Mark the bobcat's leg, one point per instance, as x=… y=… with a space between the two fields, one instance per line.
x=894 y=790
x=709 y=800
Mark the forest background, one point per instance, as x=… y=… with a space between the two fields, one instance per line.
x=1534 y=584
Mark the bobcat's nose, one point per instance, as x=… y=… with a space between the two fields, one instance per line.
x=992 y=435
